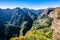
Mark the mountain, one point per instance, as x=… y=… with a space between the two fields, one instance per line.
x=48 y=22
x=29 y=24
x=25 y=23
x=13 y=21
x=40 y=28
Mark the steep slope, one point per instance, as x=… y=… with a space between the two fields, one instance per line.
x=17 y=20
x=56 y=22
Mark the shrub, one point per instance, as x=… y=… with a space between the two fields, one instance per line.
x=16 y=38
x=58 y=17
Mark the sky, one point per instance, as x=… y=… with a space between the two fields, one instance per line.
x=32 y=4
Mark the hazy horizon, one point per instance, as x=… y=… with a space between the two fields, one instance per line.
x=31 y=4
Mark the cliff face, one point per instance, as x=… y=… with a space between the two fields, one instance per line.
x=56 y=22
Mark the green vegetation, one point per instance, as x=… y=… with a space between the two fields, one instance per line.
x=58 y=17
x=16 y=38
x=58 y=33
x=42 y=23
x=50 y=34
x=34 y=35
